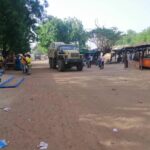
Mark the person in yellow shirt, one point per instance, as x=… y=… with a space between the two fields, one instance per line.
x=28 y=59
x=28 y=64
x=23 y=62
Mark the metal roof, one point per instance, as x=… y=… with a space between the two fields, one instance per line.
x=137 y=47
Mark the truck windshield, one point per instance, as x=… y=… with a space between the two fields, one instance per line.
x=68 y=47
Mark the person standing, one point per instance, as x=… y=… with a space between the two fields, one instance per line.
x=102 y=58
x=18 y=65
x=125 y=60
x=91 y=59
x=88 y=62
x=23 y=63
x=28 y=64
x=101 y=62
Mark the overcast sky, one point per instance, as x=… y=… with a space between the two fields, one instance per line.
x=123 y=14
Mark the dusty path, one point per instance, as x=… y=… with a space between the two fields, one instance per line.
x=78 y=110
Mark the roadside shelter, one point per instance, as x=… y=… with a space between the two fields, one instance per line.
x=139 y=55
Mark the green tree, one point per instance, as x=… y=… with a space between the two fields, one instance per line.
x=69 y=31
x=128 y=38
x=105 y=38
x=76 y=32
x=18 y=20
x=132 y=38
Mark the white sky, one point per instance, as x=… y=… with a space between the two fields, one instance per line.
x=123 y=14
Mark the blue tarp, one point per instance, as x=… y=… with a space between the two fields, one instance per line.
x=3 y=84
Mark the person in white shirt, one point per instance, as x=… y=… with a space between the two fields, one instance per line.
x=101 y=61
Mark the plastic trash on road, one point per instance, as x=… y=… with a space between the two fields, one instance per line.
x=3 y=144
x=115 y=130
x=7 y=109
x=43 y=145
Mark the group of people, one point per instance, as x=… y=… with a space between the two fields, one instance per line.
x=18 y=62
x=23 y=62
x=99 y=62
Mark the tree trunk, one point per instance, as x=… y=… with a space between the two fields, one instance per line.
x=4 y=52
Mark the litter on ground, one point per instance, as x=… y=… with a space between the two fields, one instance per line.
x=3 y=144
x=7 y=109
x=115 y=130
x=43 y=145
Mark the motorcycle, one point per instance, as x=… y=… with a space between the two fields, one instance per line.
x=88 y=64
x=101 y=65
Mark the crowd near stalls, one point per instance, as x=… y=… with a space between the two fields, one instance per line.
x=116 y=56
x=20 y=62
x=90 y=54
x=92 y=57
x=137 y=56
x=133 y=56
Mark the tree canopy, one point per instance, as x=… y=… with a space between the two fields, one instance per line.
x=104 y=38
x=69 y=30
x=132 y=38
x=24 y=21
x=18 y=20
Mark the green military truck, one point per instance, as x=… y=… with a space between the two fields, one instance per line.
x=64 y=56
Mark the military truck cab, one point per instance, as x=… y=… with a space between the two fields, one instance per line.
x=64 y=56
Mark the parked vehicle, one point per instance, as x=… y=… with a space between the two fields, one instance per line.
x=37 y=56
x=63 y=56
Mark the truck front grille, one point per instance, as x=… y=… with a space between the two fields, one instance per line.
x=74 y=55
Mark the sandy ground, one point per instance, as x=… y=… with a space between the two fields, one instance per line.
x=78 y=110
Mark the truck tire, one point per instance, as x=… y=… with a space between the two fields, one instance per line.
x=50 y=63
x=80 y=67
x=61 y=66
x=53 y=63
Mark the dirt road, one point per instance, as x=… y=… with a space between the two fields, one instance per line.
x=78 y=110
